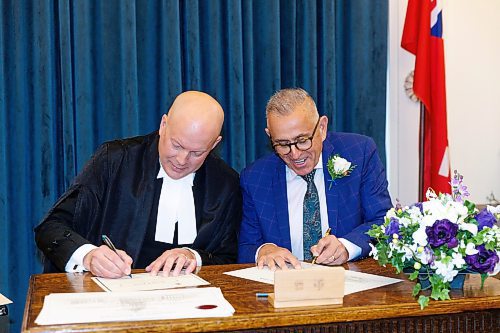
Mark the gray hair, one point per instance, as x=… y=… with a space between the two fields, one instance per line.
x=284 y=101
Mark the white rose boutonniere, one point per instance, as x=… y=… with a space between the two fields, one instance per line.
x=338 y=167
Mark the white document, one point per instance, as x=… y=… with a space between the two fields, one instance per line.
x=265 y=275
x=146 y=281
x=354 y=281
x=72 y=308
x=357 y=281
x=4 y=300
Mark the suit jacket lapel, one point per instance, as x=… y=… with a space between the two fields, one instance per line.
x=330 y=191
x=150 y=167
x=199 y=193
x=281 y=204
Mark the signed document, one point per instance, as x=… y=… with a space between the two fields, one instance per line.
x=354 y=281
x=72 y=308
x=146 y=281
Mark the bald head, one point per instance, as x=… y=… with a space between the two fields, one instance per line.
x=189 y=132
x=197 y=111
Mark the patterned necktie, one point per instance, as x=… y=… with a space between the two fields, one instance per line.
x=312 y=217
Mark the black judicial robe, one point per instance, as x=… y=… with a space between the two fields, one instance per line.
x=117 y=194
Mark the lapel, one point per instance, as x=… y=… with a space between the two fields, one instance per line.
x=146 y=194
x=331 y=192
x=281 y=204
x=199 y=192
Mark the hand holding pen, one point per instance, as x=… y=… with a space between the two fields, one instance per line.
x=327 y=233
x=107 y=261
x=329 y=251
x=109 y=243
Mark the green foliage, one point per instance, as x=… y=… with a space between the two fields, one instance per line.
x=483 y=278
x=416 y=290
x=470 y=206
x=413 y=276
x=423 y=301
x=440 y=289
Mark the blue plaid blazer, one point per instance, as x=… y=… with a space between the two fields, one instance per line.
x=354 y=202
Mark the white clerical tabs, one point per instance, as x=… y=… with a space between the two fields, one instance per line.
x=306 y=287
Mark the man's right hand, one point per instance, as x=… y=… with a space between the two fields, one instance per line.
x=104 y=262
x=276 y=257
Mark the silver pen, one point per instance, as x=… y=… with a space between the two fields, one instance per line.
x=110 y=244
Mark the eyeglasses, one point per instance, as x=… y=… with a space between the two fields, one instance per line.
x=302 y=144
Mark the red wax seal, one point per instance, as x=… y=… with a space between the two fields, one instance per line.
x=206 y=307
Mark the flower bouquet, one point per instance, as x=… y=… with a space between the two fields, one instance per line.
x=438 y=239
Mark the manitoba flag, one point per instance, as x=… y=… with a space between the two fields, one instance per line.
x=422 y=36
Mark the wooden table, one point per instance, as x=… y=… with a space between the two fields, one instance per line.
x=384 y=309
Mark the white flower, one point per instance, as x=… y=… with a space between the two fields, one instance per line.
x=340 y=165
x=455 y=211
x=493 y=210
x=427 y=221
x=405 y=221
x=489 y=237
x=470 y=249
x=415 y=213
x=409 y=250
x=420 y=236
x=445 y=270
x=391 y=213
x=374 y=251
x=457 y=260
x=470 y=227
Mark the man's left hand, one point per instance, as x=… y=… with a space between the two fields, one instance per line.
x=172 y=262
x=330 y=251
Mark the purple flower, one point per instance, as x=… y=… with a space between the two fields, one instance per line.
x=442 y=232
x=430 y=255
x=484 y=261
x=392 y=228
x=485 y=219
x=458 y=190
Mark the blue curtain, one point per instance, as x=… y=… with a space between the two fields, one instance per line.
x=76 y=73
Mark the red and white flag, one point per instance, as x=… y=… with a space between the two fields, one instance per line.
x=423 y=36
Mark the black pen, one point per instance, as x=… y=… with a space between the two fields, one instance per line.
x=326 y=234
x=110 y=244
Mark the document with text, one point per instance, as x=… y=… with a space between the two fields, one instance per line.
x=354 y=281
x=146 y=281
x=73 y=308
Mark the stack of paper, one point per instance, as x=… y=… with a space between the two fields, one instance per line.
x=131 y=306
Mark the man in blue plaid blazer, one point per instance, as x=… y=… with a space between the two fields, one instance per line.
x=271 y=232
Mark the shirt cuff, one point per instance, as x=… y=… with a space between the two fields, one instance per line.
x=75 y=262
x=353 y=250
x=196 y=254
x=257 y=252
